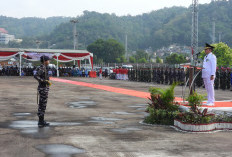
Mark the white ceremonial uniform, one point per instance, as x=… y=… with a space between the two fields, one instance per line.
x=209 y=68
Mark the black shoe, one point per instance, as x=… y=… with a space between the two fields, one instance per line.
x=43 y=124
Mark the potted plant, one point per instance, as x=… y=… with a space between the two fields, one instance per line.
x=198 y=119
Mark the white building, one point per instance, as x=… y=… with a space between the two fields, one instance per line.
x=5 y=37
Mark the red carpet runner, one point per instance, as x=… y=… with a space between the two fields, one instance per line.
x=127 y=91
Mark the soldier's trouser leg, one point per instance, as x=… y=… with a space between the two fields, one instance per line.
x=43 y=96
x=209 y=86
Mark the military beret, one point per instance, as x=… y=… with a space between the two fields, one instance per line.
x=44 y=58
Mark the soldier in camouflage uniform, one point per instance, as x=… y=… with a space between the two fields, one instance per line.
x=42 y=77
x=199 y=82
x=154 y=75
x=162 y=76
x=223 y=79
x=216 y=82
x=183 y=76
x=170 y=74
x=228 y=73
x=231 y=79
x=158 y=72
x=174 y=74
x=166 y=76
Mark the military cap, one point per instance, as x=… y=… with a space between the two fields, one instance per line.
x=208 y=46
x=44 y=58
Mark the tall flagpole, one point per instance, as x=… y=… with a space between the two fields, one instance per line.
x=57 y=65
x=75 y=41
x=194 y=41
x=20 y=64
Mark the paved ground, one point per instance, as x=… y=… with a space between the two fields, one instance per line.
x=89 y=122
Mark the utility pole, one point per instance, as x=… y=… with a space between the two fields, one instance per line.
x=213 y=31
x=194 y=41
x=213 y=24
x=126 y=54
x=220 y=37
x=75 y=42
x=37 y=43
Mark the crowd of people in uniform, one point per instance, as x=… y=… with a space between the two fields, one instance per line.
x=121 y=73
x=167 y=76
x=159 y=75
x=30 y=71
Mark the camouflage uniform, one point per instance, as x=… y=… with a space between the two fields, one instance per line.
x=170 y=73
x=223 y=80
x=182 y=77
x=216 y=84
x=158 y=72
x=199 y=81
x=41 y=76
x=230 y=80
x=228 y=73
x=154 y=75
x=162 y=76
x=166 y=76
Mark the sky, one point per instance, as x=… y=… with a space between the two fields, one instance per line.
x=74 y=8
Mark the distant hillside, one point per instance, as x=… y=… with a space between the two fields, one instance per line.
x=30 y=27
x=155 y=29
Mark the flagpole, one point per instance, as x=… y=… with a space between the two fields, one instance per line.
x=20 y=63
x=57 y=69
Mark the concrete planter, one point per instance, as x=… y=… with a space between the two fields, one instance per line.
x=202 y=127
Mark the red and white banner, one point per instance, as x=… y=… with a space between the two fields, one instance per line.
x=7 y=55
x=35 y=56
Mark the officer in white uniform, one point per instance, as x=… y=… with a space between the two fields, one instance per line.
x=209 y=73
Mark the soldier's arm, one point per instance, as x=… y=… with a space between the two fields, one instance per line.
x=38 y=75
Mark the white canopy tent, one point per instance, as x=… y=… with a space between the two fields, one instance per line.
x=58 y=54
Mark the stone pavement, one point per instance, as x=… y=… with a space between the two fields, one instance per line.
x=89 y=122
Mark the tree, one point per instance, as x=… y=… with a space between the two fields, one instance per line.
x=175 y=58
x=118 y=60
x=108 y=50
x=158 y=60
x=141 y=54
x=123 y=59
x=142 y=60
x=223 y=53
x=132 y=59
x=156 y=29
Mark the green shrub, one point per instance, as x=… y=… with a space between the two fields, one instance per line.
x=159 y=116
x=195 y=100
x=163 y=98
x=162 y=109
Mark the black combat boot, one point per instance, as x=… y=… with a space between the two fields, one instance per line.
x=42 y=123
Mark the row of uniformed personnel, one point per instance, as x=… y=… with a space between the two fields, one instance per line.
x=167 y=76
x=157 y=75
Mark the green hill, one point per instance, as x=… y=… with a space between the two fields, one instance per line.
x=30 y=27
x=155 y=29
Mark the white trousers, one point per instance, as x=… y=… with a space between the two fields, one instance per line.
x=117 y=76
x=209 y=86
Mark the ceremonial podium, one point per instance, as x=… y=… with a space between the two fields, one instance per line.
x=191 y=79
